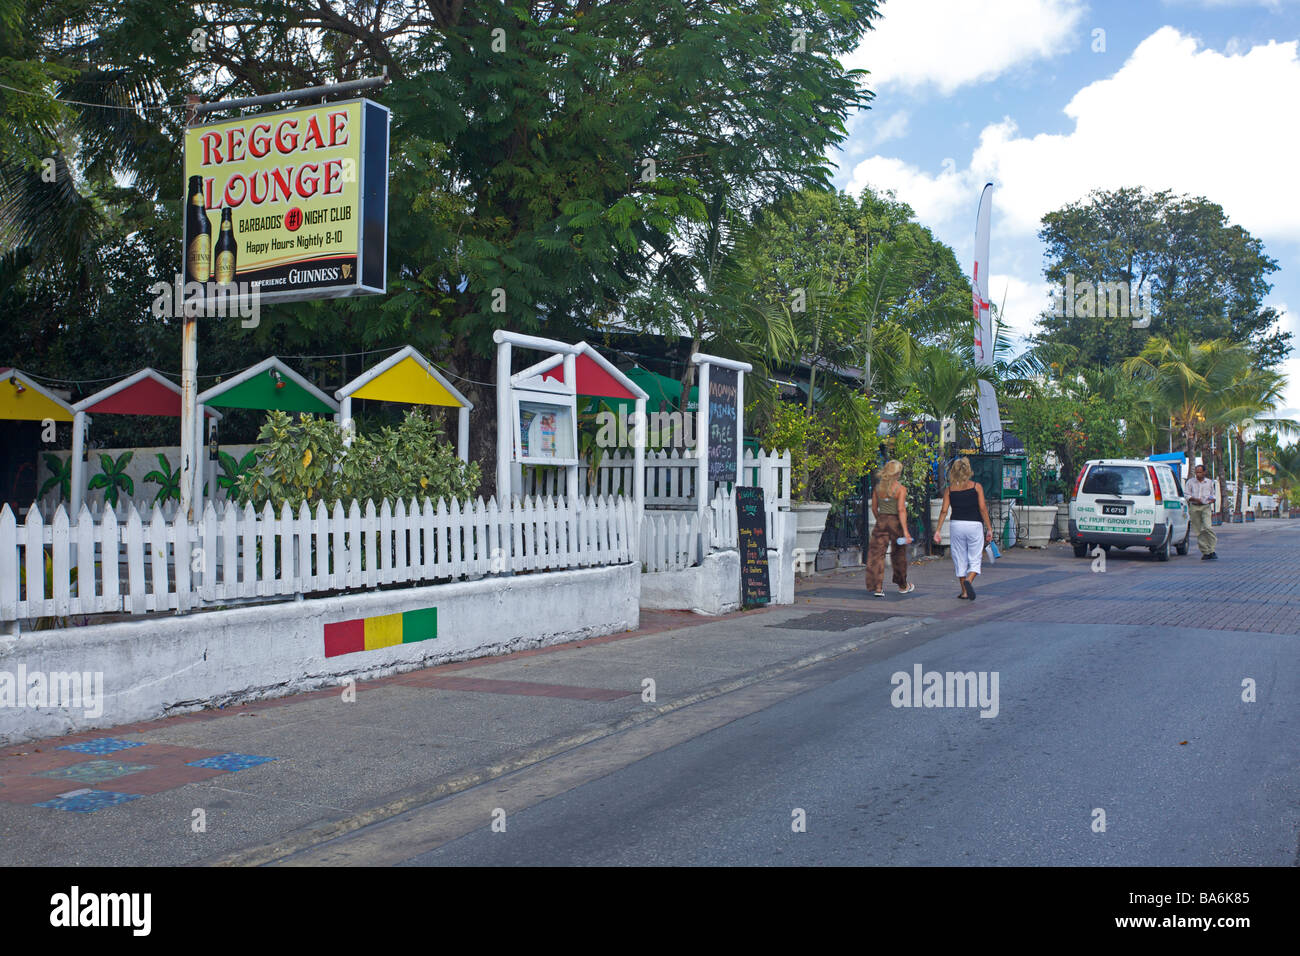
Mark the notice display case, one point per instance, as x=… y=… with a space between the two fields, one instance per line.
x=545 y=429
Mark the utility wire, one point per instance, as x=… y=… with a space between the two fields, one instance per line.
x=103 y=106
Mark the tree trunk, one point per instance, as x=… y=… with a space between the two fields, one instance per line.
x=1241 y=450
x=1218 y=474
x=483 y=419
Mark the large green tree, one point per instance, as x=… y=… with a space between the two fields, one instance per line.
x=550 y=150
x=1206 y=277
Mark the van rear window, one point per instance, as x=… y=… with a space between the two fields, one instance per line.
x=1116 y=480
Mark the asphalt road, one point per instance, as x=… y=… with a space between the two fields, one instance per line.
x=1090 y=718
x=1145 y=722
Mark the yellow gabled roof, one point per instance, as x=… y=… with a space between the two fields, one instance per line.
x=407 y=382
x=21 y=399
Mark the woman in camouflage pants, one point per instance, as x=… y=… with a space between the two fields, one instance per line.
x=889 y=505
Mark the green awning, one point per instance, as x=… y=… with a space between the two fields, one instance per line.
x=660 y=388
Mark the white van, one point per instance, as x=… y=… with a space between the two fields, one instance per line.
x=1127 y=502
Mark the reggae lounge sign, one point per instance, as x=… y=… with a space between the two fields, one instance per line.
x=293 y=204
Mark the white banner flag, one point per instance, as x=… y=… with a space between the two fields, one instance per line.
x=990 y=419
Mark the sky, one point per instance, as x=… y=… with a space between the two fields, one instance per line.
x=1049 y=99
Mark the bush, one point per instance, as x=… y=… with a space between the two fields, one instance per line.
x=306 y=460
x=830 y=450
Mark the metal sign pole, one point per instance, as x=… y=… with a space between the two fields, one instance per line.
x=189 y=377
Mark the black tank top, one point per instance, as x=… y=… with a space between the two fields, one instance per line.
x=965 y=505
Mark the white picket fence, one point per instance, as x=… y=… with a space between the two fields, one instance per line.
x=670 y=478
x=148 y=563
x=670 y=540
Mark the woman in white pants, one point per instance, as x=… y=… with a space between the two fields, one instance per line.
x=971 y=529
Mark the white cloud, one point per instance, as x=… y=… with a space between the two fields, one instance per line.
x=1020 y=302
x=1271 y=4
x=1289 y=322
x=1174 y=116
x=893 y=127
x=948 y=44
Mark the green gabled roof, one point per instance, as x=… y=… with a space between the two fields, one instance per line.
x=270 y=385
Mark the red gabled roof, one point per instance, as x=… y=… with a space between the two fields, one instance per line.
x=146 y=397
x=592 y=379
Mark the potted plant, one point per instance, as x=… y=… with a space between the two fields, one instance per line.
x=830 y=450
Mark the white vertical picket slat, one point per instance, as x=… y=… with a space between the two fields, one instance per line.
x=320 y=536
x=385 y=542
x=338 y=540
x=302 y=576
x=456 y=554
x=183 y=556
x=136 y=586
x=370 y=537
x=250 y=584
x=439 y=567
x=229 y=586
x=110 y=600
x=563 y=527
x=9 y=564
x=211 y=556
x=401 y=571
x=528 y=535
x=483 y=534
x=34 y=556
x=412 y=539
x=61 y=570
x=428 y=550
x=266 y=559
x=355 y=577
x=498 y=540
x=515 y=549
x=545 y=536
x=288 y=553
x=157 y=600
x=83 y=534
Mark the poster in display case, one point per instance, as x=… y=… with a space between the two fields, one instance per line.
x=546 y=430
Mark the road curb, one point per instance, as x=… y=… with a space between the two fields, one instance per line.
x=314 y=836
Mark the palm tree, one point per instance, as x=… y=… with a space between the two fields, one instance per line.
x=945 y=384
x=63 y=171
x=1185 y=382
x=1287 y=475
x=1245 y=404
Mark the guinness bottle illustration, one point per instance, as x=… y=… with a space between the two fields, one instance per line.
x=198 y=235
x=224 y=253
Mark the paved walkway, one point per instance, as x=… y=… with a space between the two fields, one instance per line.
x=217 y=785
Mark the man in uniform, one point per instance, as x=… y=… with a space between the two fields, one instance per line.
x=1200 y=502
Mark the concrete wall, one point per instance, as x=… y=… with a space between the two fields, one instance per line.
x=142 y=462
x=168 y=664
x=714 y=586
x=710 y=588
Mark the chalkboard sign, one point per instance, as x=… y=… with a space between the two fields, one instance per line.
x=751 y=528
x=722 y=423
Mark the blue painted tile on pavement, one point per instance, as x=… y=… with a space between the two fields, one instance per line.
x=88 y=802
x=101 y=745
x=231 y=762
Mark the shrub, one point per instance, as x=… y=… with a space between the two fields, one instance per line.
x=306 y=460
x=830 y=450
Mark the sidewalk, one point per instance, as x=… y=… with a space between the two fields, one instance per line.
x=334 y=759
